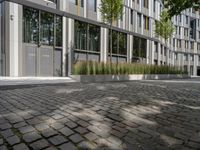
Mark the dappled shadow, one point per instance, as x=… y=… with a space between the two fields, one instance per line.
x=125 y=115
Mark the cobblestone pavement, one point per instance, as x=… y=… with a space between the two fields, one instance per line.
x=101 y=116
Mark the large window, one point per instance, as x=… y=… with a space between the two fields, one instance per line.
x=42 y=27
x=139 y=47
x=47 y=29
x=87 y=37
x=92 y=4
x=119 y=43
x=31 y=25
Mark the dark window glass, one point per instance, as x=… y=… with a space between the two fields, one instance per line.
x=58 y=31
x=94 y=38
x=47 y=29
x=80 y=35
x=31 y=25
x=119 y=43
x=122 y=44
x=139 y=47
x=87 y=36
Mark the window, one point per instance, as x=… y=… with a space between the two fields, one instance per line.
x=156 y=47
x=186 y=19
x=139 y=47
x=78 y=2
x=139 y=20
x=192 y=57
x=131 y=16
x=191 y=45
x=58 y=31
x=176 y=56
x=92 y=4
x=146 y=23
x=154 y=6
x=119 y=43
x=146 y=3
x=47 y=29
x=185 y=57
x=31 y=25
x=87 y=36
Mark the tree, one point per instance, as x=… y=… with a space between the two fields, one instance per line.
x=175 y=7
x=111 y=10
x=164 y=27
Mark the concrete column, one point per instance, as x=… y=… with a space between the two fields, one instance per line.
x=104 y=45
x=159 y=53
x=148 y=52
x=195 y=64
x=129 y=48
x=64 y=41
x=13 y=40
x=152 y=52
x=70 y=44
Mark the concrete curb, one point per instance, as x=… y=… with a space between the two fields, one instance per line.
x=115 y=78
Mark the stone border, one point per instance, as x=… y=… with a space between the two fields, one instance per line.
x=109 y=78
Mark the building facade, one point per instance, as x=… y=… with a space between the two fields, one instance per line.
x=47 y=37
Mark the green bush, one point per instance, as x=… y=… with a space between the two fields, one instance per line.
x=95 y=68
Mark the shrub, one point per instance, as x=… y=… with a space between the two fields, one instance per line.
x=95 y=68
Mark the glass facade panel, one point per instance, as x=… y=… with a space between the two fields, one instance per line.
x=139 y=47
x=94 y=38
x=92 y=4
x=119 y=43
x=122 y=44
x=47 y=29
x=59 y=31
x=80 y=35
x=1 y=51
x=87 y=37
x=31 y=25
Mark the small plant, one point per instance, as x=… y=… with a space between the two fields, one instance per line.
x=95 y=68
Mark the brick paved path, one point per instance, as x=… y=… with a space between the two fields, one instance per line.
x=109 y=116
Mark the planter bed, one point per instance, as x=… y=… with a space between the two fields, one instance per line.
x=109 y=78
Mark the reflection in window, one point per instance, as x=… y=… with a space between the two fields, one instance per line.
x=94 y=38
x=80 y=35
x=47 y=29
x=58 y=31
x=119 y=43
x=139 y=47
x=92 y=4
x=31 y=25
x=87 y=36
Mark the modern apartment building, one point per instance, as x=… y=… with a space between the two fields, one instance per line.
x=47 y=37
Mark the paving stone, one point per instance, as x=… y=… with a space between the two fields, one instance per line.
x=76 y=138
x=85 y=145
x=1 y=141
x=71 y=124
x=57 y=126
x=83 y=123
x=26 y=129
x=57 y=140
x=41 y=126
x=66 y=131
x=7 y=133
x=81 y=130
x=91 y=136
x=57 y=116
x=68 y=146
x=51 y=148
x=21 y=146
x=49 y=132
x=13 y=140
x=20 y=124
x=40 y=144
x=3 y=148
x=5 y=126
x=31 y=137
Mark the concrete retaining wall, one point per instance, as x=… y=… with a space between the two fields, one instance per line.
x=109 y=78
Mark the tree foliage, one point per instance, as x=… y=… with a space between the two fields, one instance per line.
x=175 y=7
x=164 y=27
x=111 y=10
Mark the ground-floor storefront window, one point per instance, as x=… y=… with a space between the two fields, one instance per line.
x=86 y=41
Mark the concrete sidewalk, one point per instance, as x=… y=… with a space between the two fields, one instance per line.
x=6 y=81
